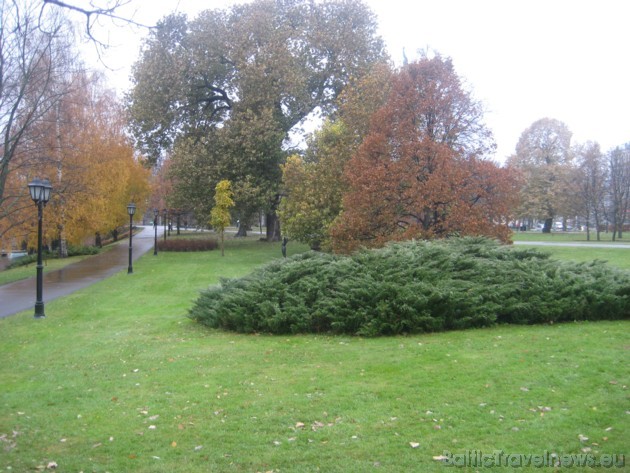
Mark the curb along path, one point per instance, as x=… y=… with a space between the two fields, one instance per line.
x=20 y=295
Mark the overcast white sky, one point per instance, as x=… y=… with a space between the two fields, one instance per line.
x=523 y=59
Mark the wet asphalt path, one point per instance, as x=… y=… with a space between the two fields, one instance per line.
x=20 y=295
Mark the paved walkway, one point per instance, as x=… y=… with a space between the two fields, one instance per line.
x=20 y=295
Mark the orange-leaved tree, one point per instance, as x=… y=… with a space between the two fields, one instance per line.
x=420 y=172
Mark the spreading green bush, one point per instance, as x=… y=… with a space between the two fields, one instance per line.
x=415 y=287
x=188 y=244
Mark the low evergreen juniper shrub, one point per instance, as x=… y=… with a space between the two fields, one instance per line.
x=415 y=287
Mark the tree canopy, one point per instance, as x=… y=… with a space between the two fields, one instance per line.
x=543 y=156
x=268 y=65
x=61 y=123
x=420 y=172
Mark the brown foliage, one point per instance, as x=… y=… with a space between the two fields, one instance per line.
x=419 y=173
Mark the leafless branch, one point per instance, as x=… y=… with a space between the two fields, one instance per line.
x=92 y=14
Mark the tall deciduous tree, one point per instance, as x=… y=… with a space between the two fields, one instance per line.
x=220 y=216
x=90 y=162
x=35 y=58
x=590 y=177
x=419 y=172
x=619 y=187
x=543 y=155
x=313 y=186
x=222 y=78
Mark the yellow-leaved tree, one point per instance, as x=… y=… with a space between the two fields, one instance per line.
x=81 y=146
x=220 y=215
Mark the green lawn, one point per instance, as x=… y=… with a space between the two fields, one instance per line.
x=117 y=379
x=619 y=257
x=566 y=236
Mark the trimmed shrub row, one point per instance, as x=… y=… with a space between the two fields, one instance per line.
x=415 y=287
x=188 y=244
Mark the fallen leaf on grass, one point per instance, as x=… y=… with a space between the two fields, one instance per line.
x=414 y=444
x=440 y=458
x=316 y=425
x=582 y=438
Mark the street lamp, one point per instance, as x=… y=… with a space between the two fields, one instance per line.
x=156 y=212
x=165 y=211
x=131 y=209
x=40 y=193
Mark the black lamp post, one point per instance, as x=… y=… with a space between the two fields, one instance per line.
x=165 y=216
x=131 y=209
x=156 y=212
x=40 y=193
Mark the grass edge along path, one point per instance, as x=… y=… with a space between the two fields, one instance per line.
x=116 y=378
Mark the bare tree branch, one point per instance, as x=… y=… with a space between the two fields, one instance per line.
x=92 y=14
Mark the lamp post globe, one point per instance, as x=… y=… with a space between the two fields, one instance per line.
x=40 y=194
x=131 y=209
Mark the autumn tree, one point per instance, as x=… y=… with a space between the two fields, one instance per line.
x=35 y=57
x=590 y=185
x=619 y=188
x=220 y=216
x=162 y=188
x=241 y=80
x=90 y=163
x=313 y=185
x=419 y=173
x=543 y=155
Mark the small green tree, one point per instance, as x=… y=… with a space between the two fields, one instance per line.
x=220 y=214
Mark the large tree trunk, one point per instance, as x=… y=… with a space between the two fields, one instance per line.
x=547 y=225
x=273 y=227
x=241 y=231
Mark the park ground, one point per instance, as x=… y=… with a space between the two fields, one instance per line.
x=117 y=378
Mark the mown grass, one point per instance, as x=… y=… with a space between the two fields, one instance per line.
x=618 y=257
x=567 y=237
x=116 y=378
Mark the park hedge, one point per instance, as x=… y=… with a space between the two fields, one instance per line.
x=415 y=287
